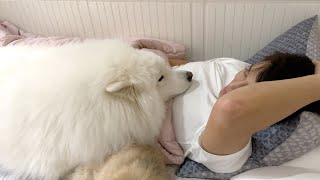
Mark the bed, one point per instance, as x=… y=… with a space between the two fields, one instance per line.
x=207 y=28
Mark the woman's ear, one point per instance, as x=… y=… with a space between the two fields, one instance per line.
x=317 y=66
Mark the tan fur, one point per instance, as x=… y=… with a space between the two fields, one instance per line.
x=136 y=162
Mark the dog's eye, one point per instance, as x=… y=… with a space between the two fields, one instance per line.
x=160 y=79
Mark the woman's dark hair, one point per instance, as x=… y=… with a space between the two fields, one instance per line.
x=285 y=66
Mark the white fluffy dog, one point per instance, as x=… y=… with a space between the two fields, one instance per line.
x=66 y=106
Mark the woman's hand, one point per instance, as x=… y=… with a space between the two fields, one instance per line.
x=232 y=86
x=317 y=68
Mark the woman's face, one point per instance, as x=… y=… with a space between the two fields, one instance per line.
x=242 y=78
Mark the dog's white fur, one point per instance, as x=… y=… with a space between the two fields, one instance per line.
x=135 y=162
x=65 y=106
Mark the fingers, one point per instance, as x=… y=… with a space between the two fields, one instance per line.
x=232 y=86
x=236 y=85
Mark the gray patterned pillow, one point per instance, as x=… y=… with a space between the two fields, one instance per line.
x=289 y=138
x=294 y=41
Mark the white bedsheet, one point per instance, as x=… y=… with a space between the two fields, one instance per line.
x=282 y=172
x=306 y=167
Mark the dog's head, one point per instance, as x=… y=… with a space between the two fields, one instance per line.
x=147 y=72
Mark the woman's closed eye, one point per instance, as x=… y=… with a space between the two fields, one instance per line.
x=246 y=72
x=248 y=69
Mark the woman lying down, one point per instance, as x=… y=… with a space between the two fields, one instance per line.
x=230 y=100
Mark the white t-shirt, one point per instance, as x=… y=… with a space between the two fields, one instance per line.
x=191 y=110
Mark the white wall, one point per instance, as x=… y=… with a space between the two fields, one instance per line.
x=208 y=28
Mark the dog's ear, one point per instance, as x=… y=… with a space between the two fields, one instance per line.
x=116 y=86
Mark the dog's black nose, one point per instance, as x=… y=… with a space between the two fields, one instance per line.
x=189 y=76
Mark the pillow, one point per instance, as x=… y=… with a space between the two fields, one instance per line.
x=287 y=139
x=300 y=39
x=12 y=35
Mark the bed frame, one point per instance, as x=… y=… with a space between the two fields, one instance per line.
x=208 y=28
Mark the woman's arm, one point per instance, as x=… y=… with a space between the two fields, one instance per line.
x=246 y=110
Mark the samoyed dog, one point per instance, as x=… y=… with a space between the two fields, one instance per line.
x=65 y=106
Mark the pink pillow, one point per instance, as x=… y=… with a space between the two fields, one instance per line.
x=167 y=140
